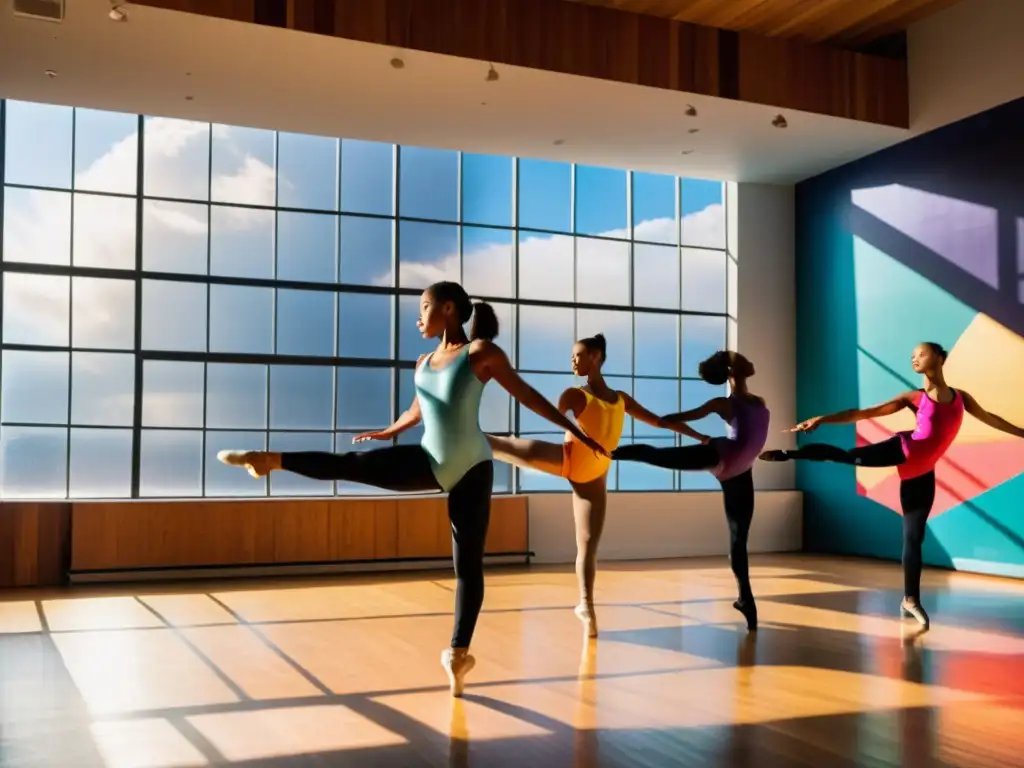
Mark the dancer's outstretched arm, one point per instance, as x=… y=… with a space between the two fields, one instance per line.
x=407 y=420
x=897 y=404
x=638 y=412
x=990 y=419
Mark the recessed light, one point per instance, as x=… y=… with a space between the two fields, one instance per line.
x=50 y=73
x=188 y=98
x=397 y=63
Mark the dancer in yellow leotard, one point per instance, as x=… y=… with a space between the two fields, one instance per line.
x=600 y=412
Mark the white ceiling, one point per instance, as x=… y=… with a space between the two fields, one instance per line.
x=244 y=74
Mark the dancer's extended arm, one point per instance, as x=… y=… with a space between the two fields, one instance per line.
x=407 y=420
x=638 y=412
x=897 y=404
x=990 y=419
x=497 y=366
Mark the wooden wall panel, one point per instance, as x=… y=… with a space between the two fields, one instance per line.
x=110 y=536
x=604 y=43
x=34 y=543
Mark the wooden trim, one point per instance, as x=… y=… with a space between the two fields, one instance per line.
x=34 y=540
x=604 y=43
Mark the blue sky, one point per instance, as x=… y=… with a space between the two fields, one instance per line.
x=574 y=244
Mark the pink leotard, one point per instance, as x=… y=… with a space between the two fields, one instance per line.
x=937 y=428
x=747 y=433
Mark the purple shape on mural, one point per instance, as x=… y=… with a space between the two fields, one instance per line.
x=963 y=233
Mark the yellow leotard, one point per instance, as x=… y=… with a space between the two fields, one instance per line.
x=602 y=421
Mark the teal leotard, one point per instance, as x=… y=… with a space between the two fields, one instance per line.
x=450 y=404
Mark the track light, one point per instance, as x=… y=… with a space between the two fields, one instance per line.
x=117 y=11
x=492 y=74
x=691 y=111
x=780 y=122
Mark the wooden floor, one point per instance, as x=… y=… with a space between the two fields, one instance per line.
x=345 y=671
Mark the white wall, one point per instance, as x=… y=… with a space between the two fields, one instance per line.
x=964 y=60
x=643 y=526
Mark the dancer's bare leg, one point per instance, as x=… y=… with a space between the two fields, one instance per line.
x=589 y=504
x=524 y=452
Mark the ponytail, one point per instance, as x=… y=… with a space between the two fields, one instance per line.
x=485 y=322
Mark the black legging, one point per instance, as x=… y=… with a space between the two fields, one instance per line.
x=407 y=468
x=737 y=496
x=917 y=495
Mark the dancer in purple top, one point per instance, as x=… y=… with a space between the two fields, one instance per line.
x=729 y=459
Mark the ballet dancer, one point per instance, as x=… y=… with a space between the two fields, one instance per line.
x=453 y=456
x=729 y=459
x=600 y=412
x=940 y=412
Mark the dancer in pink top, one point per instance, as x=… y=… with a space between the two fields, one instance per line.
x=940 y=412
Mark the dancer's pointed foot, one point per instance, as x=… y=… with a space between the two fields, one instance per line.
x=912 y=608
x=774 y=456
x=256 y=463
x=585 y=613
x=457 y=662
x=749 y=610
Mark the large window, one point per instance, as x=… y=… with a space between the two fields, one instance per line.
x=173 y=288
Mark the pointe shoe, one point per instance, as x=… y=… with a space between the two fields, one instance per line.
x=254 y=462
x=585 y=613
x=915 y=611
x=749 y=610
x=457 y=662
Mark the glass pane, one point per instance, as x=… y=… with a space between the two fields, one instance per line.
x=172 y=394
x=365 y=325
x=427 y=253
x=364 y=398
x=545 y=195
x=343 y=444
x=236 y=396
x=35 y=387
x=224 y=480
x=38 y=144
x=602 y=271
x=36 y=309
x=486 y=190
x=241 y=319
x=617 y=328
x=428 y=187
x=242 y=165
x=411 y=343
x=654 y=208
x=487 y=268
x=703 y=222
x=732 y=334
x=33 y=462
x=732 y=281
x=307 y=246
x=103 y=313
x=102 y=389
x=546 y=338
x=406 y=392
x=702 y=337
x=601 y=205
x=305 y=323
x=175 y=237
x=545 y=267
x=301 y=397
x=288 y=484
x=657 y=344
x=177 y=158
x=241 y=242
x=704 y=287
x=37 y=226
x=367 y=177
x=171 y=463
x=495 y=409
x=101 y=464
x=104 y=234
x=698 y=481
x=694 y=395
x=656 y=276
x=659 y=396
x=173 y=316
x=367 y=251
x=551 y=385
x=636 y=476
x=308 y=168
x=106 y=153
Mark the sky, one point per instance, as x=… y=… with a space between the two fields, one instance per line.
x=346 y=232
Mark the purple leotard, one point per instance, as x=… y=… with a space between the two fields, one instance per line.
x=747 y=433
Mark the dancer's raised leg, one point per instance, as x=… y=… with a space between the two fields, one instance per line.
x=531 y=454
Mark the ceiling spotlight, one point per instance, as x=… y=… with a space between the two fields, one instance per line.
x=397 y=63
x=691 y=111
x=492 y=74
x=780 y=122
x=117 y=11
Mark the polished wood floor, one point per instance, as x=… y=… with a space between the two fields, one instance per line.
x=345 y=671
